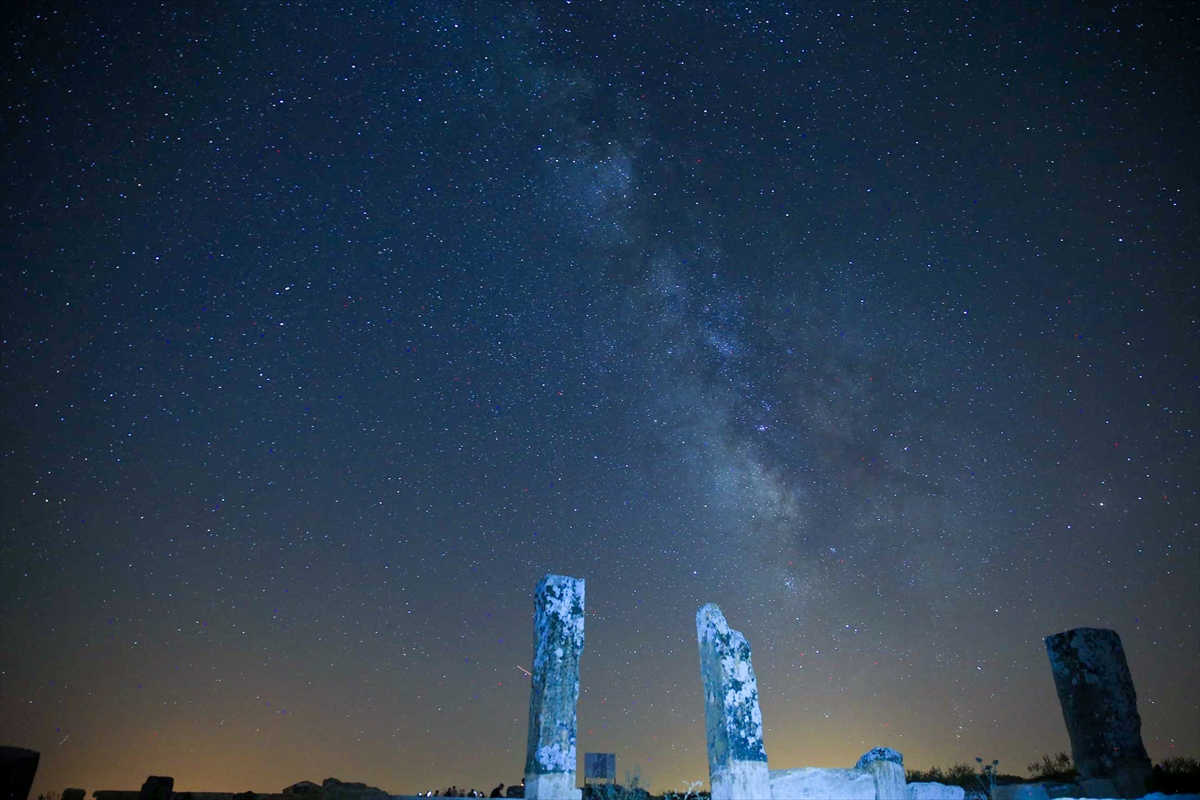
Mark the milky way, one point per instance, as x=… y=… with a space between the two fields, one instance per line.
x=328 y=333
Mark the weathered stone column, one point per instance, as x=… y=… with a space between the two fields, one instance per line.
x=887 y=768
x=1099 y=706
x=558 y=643
x=737 y=762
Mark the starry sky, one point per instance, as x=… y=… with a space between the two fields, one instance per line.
x=329 y=329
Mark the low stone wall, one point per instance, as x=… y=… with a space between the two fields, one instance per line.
x=934 y=791
x=878 y=775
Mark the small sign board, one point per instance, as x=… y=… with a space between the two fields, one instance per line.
x=599 y=767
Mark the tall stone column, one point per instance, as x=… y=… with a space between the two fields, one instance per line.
x=558 y=643
x=737 y=762
x=1099 y=706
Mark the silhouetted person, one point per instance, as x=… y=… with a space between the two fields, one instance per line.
x=498 y=791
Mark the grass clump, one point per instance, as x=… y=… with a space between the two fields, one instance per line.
x=692 y=792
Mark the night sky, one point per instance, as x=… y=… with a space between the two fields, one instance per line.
x=328 y=330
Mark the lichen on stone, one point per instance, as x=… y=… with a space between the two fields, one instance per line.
x=880 y=754
x=554 y=692
x=556 y=757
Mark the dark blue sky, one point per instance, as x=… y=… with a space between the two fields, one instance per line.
x=328 y=331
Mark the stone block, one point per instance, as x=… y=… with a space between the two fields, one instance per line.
x=1021 y=791
x=933 y=791
x=1058 y=789
x=818 y=783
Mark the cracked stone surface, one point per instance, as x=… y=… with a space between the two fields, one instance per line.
x=558 y=644
x=1099 y=707
x=737 y=760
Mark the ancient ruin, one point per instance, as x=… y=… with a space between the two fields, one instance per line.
x=737 y=761
x=886 y=766
x=558 y=644
x=878 y=775
x=1090 y=672
x=1099 y=707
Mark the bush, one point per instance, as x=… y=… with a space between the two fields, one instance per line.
x=1057 y=768
x=614 y=791
x=961 y=774
x=1175 y=776
x=923 y=776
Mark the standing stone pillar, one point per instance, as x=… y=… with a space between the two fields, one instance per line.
x=1099 y=707
x=887 y=768
x=737 y=762
x=558 y=643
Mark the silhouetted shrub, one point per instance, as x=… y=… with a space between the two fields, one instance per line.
x=1175 y=776
x=614 y=791
x=919 y=776
x=987 y=776
x=1057 y=768
x=961 y=774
